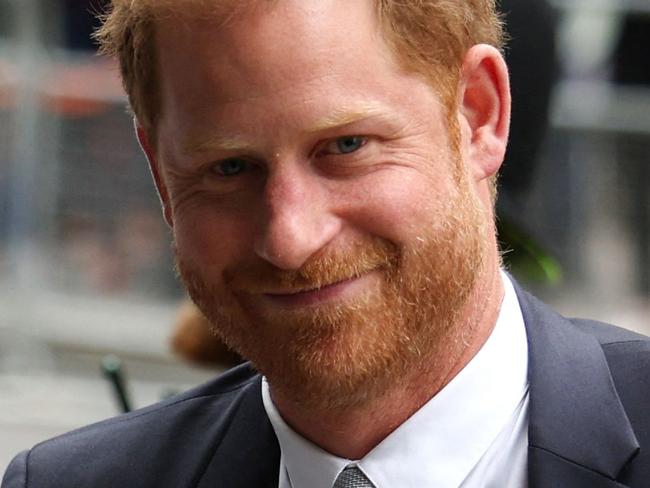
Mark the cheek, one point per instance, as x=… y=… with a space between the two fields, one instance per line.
x=398 y=206
x=208 y=239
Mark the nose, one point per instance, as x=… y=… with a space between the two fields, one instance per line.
x=297 y=220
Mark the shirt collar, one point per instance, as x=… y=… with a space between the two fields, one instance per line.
x=441 y=443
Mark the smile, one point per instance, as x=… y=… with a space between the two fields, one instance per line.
x=317 y=296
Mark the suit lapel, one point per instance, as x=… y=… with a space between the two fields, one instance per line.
x=248 y=454
x=579 y=434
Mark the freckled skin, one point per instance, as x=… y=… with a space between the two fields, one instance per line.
x=297 y=204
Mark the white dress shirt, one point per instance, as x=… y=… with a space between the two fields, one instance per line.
x=473 y=433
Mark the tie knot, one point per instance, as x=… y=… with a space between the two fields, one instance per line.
x=352 y=477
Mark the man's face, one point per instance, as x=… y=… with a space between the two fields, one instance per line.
x=321 y=219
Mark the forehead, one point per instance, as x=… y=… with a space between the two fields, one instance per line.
x=256 y=31
x=269 y=52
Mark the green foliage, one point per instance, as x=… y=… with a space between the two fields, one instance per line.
x=524 y=257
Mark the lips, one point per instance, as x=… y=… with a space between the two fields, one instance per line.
x=308 y=290
x=314 y=296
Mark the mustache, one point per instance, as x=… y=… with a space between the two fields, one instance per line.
x=322 y=269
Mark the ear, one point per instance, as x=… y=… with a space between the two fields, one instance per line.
x=156 y=172
x=484 y=110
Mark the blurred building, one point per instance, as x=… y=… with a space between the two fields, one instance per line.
x=85 y=260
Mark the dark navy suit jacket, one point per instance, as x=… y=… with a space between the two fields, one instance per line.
x=589 y=424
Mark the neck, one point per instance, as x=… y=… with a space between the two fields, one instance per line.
x=353 y=432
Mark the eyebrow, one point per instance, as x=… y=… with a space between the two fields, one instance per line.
x=346 y=116
x=216 y=143
x=338 y=118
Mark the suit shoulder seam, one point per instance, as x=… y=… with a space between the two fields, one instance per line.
x=630 y=341
x=127 y=417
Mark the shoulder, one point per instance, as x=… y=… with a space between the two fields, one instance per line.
x=626 y=351
x=549 y=327
x=146 y=444
x=608 y=334
x=584 y=349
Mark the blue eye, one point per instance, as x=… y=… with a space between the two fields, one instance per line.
x=230 y=167
x=346 y=145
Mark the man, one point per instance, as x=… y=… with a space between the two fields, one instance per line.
x=327 y=168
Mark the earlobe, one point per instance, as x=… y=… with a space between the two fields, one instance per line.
x=484 y=101
x=156 y=173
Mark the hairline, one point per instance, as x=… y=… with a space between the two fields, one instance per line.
x=150 y=107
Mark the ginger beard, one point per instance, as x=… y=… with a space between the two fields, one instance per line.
x=339 y=355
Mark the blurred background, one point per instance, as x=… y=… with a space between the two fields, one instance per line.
x=85 y=262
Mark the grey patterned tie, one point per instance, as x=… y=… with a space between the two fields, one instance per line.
x=352 y=477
